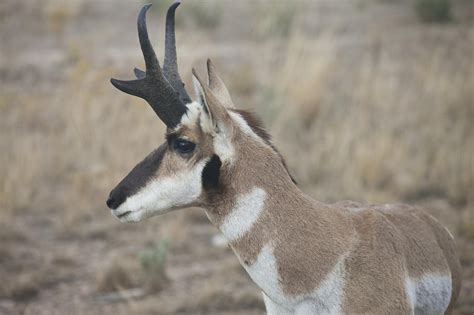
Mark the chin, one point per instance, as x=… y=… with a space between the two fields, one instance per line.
x=134 y=216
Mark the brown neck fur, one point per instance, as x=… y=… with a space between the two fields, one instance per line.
x=287 y=209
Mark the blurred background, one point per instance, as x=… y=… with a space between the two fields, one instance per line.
x=370 y=100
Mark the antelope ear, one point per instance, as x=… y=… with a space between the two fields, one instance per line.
x=217 y=86
x=218 y=119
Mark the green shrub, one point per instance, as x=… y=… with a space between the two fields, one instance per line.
x=153 y=262
x=433 y=10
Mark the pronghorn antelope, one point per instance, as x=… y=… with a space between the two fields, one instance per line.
x=306 y=256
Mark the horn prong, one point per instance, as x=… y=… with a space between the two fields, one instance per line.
x=133 y=87
x=140 y=74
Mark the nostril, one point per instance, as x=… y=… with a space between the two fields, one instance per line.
x=116 y=198
x=111 y=203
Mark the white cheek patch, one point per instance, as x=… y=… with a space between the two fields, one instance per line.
x=163 y=194
x=429 y=294
x=245 y=213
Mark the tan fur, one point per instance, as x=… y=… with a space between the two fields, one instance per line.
x=306 y=255
x=218 y=87
x=380 y=245
x=448 y=246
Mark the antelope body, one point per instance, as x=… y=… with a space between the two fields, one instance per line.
x=306 y=256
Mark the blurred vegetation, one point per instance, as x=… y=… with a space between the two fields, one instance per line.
x=116 y=277
x=276 y=18
x=153 y=262
x=203 y=14
x=434 y=10
x=359 y=112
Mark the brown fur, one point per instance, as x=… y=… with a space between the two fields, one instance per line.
x=380 y=246
x=448 y=246
x=377 y=247
x=256 y=124
x=217 y=86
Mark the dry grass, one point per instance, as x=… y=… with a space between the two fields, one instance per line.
x=358 y=112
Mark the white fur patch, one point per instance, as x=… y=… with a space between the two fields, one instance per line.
x=163 y=194
x=264 y=273
x=244 y=214
x=221 y=140
x=429 y=294
x=410 y=289
x=192 y=114
x=223 y=146
x=274 y=309
x=326 y=299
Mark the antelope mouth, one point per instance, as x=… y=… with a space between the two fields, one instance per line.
x=122 y=215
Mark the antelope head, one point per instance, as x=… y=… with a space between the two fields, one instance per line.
x=202 y=136
x=197 y=139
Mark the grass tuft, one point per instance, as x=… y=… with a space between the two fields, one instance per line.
x=153 y=263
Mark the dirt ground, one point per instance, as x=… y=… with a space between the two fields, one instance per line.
x=363 y=100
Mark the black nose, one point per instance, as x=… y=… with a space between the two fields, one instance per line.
x=116 y=197
x=111 y=203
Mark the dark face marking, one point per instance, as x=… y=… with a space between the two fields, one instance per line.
x=137 y=178
x=211 y=173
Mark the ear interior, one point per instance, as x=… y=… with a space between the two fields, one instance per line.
x=200 y=95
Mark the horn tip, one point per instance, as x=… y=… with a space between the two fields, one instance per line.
x=174 y=5
x=116 y=83
x=139 y=73
x=145 y=9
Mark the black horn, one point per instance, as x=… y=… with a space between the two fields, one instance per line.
x=170 y=65
x=151 y=85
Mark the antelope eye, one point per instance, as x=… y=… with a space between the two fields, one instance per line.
x=183 y=146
